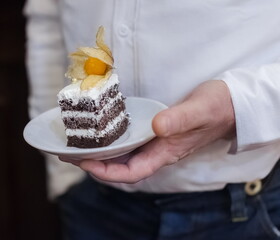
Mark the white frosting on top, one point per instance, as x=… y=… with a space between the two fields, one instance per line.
x=74 y=92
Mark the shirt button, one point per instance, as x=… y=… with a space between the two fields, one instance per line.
x=123 y=30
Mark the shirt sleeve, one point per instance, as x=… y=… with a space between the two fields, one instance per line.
x=45 y=56
x=255 y=95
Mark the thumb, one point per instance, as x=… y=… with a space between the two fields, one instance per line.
x=175 y=120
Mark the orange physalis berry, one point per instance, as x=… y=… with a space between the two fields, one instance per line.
x=94 y=66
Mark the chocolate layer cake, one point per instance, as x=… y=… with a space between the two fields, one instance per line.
x=92 y=107
x=93 y=118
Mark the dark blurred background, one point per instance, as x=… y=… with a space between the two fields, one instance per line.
x=25 y=212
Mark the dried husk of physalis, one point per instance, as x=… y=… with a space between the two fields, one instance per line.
x=95 y=80
x=102 y=52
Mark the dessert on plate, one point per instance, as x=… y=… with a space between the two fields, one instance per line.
x=92 y=107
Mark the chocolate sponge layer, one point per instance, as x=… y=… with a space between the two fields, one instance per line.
x=84 y=123
x=107 y=139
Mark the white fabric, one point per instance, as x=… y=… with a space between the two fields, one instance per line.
x=162 y=50
x=46 y=68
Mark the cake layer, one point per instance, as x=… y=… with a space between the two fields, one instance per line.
x=84 y=120
x=92 y=132
x=105 y=140
x=88 y=104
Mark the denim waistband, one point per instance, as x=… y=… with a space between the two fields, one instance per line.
x=240 y=192
x=233 y=195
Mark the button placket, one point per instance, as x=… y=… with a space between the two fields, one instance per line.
x=123 y=30
x=125 y=16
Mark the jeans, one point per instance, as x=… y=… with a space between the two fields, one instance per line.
x=92 y=211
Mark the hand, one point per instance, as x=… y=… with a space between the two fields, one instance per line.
x=203 y=117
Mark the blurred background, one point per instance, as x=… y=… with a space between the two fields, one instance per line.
x=25 y=212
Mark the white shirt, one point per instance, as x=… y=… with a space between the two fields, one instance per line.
x=163 y=50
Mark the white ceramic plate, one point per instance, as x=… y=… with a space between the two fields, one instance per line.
x=46 y=132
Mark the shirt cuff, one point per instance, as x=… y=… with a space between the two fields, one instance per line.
x=255 y=94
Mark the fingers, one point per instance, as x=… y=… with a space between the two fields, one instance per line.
x=139 y=166
x=202 y=105
x=122 y=159
x=176 y=120
x=111 y=171
x=73 y=161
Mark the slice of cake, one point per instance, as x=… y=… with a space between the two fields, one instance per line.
x=92 y=107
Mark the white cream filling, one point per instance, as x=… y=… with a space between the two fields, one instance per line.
x=91 y=132
x=74 y=92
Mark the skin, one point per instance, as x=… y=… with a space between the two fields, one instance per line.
x=203 y=117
